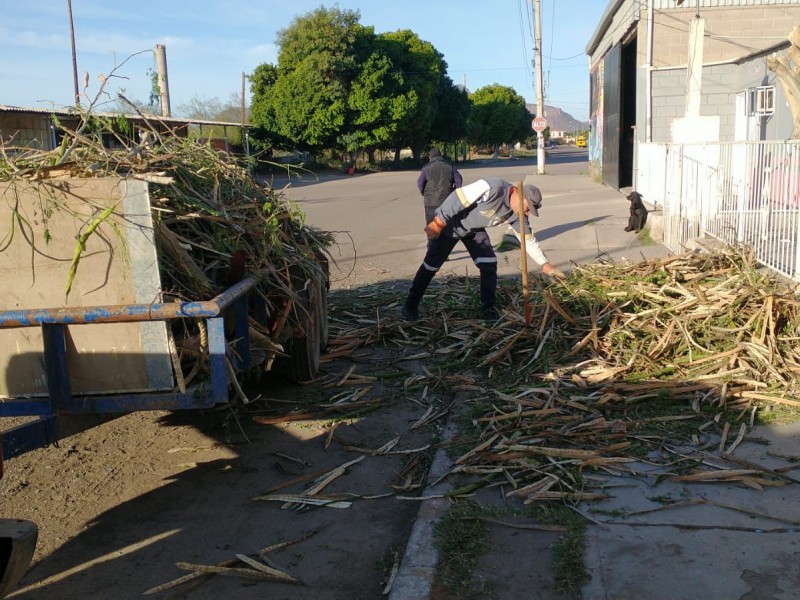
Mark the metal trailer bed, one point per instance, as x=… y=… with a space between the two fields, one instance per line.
x=61 y=402
x=61 y=413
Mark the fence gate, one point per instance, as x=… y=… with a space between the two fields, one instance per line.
x=738 y=192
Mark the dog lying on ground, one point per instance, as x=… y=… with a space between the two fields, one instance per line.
x=638 y=213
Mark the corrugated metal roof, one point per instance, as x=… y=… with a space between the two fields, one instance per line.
x=65 y=113
x=668 y=4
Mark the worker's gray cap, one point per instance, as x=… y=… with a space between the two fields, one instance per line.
x=534 y=198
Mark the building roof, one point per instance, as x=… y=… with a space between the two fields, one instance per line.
x=626 y=16
x=603 y=25
x=63 y=112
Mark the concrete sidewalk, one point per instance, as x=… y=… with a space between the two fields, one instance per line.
x=652 y=539
x=717 y=541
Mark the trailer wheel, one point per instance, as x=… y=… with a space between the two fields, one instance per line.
x=303 y=351
x=322 y=304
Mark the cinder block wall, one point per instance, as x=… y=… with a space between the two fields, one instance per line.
x=730 y=32
x=721 y=84
x=32 y=131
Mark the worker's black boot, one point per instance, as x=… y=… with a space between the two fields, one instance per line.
x=489 y=311
x=410 y=309
x=410 y=312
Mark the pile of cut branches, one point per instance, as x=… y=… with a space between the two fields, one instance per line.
x=206 y=206
x=680 y=354
x=213 y=222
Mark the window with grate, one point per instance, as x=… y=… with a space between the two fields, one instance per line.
x=761 y=100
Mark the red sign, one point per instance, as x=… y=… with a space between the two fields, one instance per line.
x=539 y=124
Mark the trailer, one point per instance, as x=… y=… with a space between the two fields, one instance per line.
x=65 y=368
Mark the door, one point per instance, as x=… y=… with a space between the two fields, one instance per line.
x=612 y=88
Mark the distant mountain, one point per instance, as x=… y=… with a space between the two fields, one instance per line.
x=558 y=120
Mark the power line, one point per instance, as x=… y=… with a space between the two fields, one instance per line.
x=552 y=37
x=524 y=41
x=551 y=58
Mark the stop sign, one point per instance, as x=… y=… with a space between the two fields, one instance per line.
x=539 y=124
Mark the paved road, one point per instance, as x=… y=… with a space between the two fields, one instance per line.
x=378 y=218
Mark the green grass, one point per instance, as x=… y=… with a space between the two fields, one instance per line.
x=461 y=542
x=645 y=238
x=768 y=414
x=664 y=499
x=569 y=568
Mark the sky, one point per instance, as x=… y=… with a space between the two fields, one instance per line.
x=210 y=43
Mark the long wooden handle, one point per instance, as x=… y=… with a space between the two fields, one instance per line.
x=523 y=259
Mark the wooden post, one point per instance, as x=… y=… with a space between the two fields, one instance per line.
x=523 y=259
x=163 y=79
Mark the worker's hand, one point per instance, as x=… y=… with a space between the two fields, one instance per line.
x=552 y=271
x=434 y=229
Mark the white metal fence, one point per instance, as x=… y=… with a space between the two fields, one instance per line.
x=738 y=192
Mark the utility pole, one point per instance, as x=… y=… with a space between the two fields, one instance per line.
x=245 y=135
x=244 y=78
x=694 y=64
x=74 y=58
x=537 y=20
x=163 y=80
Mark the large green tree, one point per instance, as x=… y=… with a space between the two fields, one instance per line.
x=338 y=85
x=305 y=97
x=423 y=69
x=498 y=116
x=264 y=113
x=377 y=100
x=453 y=108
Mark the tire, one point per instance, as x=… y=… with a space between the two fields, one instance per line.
x=309 y=322
x=321 y=305
x=302 y=363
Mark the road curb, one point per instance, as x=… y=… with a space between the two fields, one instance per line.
x=414 y=579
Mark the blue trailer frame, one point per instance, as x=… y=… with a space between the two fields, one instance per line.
x=61 y=402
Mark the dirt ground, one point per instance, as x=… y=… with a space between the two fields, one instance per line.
x=120 y=504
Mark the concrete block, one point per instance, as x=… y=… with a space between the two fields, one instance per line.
x=655 y=223
x=705 y=244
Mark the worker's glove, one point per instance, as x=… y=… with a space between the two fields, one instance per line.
x=434 y=229
x=552 y=271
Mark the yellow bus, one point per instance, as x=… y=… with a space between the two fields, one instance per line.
x=580 y=141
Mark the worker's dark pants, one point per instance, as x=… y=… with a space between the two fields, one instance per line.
x=480 y=249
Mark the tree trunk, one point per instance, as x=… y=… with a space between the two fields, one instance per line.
x=787 y=68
